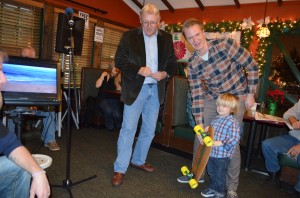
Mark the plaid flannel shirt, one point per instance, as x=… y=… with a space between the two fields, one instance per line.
x=227 y=130
x=223 y=72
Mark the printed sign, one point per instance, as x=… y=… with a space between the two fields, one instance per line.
x=99 y=33
x=84 y=16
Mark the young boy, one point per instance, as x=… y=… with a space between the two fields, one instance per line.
x=226 y=137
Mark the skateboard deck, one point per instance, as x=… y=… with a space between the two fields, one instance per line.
x=201 y=157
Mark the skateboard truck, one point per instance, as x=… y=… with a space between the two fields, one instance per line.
x=186 y=172
x=206 y=138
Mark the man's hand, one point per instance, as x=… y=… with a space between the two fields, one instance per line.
x=249 y=101
x=294 y=151
x=159 y=75
x=145 y=71
x=40 y=186
x=296 y=125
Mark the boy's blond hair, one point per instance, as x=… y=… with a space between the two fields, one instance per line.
x=228 y=100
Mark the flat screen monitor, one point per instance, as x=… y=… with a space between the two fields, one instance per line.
x=31 y=82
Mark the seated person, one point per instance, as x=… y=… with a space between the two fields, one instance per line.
x=49 y=128
x=18 y=164
x=109 y=103
x=289 y=144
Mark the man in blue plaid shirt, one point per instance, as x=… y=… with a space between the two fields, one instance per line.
x=216 y=67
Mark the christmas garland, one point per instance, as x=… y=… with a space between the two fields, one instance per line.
x=280 y=26
x=225 y=26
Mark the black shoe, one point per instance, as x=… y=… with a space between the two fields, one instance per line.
x=272 y=177
x=297 y=194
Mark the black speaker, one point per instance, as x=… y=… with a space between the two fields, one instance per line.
x=63 y=34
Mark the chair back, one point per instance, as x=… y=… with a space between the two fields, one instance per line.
x=89 y=77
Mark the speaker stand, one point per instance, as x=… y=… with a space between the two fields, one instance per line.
x=67 y=183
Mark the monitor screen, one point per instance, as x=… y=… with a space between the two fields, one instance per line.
x=31 y=82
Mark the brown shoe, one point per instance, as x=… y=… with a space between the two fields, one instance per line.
x=53 y=146
x=117 y=179
x=144 y=167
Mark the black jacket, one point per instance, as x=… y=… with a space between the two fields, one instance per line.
x=131 y=56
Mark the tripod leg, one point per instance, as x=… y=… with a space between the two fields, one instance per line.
x=74 y=119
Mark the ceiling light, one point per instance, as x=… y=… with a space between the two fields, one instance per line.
x=263 y=31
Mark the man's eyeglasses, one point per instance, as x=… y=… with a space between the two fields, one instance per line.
x=149 y=23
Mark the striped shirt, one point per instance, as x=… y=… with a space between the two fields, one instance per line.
x=227 y=130
x=223 y=72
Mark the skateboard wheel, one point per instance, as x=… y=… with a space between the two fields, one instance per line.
x=193 y=183
x=185 y=170
x=198 y=129
x=208 y=141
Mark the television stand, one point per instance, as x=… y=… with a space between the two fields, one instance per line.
x=17 y=115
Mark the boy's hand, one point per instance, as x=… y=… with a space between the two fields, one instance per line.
x=218 y=143
x=199 y=138
x=206 y=129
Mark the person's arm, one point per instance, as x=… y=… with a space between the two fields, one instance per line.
x=15 y=151
x=125 y=52
x=101 y=78
x=172 y=65
x=39 y=186
x=197 y=91
x=293 y=115
x=232 y=129
x=243 y=57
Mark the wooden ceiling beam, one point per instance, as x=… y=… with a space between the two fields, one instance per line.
x=90 y=7
x=136 y=2
x=166 y=2
x=200 y=4
x=237 y=3
x=279 y=2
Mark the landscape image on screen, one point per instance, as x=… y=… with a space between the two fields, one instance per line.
x=21 y=78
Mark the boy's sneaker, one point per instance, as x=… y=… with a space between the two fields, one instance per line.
x=231 y=194
x=53 y=146
x=184 y=179
x=208 y=193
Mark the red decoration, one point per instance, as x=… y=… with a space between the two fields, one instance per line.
x=180 y=50
x=275 y=96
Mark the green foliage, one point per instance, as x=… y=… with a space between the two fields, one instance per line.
x=225 y=26
x=279 y=26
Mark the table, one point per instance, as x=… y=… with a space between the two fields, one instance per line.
x=17 y=115
x=252 y=133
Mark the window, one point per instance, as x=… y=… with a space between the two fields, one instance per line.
x=20 y=26
x=111 y=39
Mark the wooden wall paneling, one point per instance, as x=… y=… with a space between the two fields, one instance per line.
x=46 y=48
x=97 y=48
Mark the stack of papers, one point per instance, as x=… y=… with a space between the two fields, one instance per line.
x=260 y=116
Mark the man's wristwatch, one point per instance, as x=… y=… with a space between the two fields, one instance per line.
x=168 y=76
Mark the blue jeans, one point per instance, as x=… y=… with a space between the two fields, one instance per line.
x=111 y=109
x=147 y=104
x=217 y=171
x=279 y=144
x=49 y=126
x=15 y=181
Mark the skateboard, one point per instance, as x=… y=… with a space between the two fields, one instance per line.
x=199 y=161
x=201 y=157
x=185 y=171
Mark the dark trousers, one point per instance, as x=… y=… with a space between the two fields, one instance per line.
x=217 y=171
x=111 y=110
